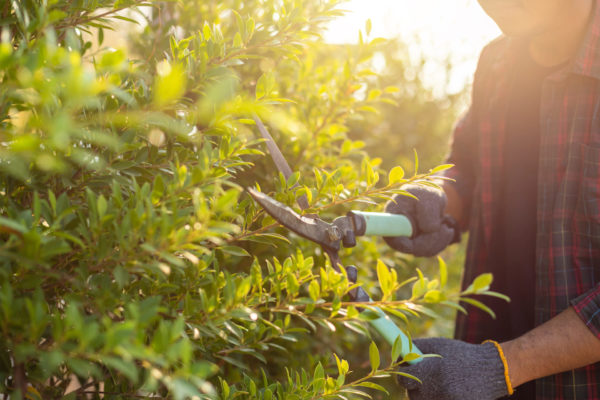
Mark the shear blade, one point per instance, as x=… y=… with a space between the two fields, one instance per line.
x=313 y=229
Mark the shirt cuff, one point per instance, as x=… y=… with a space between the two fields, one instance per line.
x=587 y=306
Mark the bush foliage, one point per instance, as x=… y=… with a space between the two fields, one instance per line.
x=132 y=263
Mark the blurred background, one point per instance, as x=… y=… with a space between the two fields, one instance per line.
x=436 y=30
x=436 y=48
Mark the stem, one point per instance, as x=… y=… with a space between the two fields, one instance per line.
x=20 y=378
x=120 y=394
x=368 y=193
x=251 y=233
x=87 y=385
x=90 y=18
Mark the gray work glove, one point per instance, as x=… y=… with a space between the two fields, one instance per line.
x=464 y=372
x=432 y=233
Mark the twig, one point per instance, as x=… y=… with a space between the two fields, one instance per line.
x=21 y=378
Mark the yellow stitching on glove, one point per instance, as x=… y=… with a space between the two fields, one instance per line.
x=506 y=377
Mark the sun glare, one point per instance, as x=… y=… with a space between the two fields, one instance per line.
x=435 y=29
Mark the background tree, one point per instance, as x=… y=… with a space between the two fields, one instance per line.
x=132 y=262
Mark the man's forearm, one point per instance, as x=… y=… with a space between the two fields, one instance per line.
x=561 y=344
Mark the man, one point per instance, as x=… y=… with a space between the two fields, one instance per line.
x=527 y=188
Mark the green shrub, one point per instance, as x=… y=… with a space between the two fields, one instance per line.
x=132 y=264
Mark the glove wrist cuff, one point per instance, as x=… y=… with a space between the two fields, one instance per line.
x=505 y=364
x=453 y=224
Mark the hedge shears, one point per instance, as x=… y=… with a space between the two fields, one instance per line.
x=331 y=236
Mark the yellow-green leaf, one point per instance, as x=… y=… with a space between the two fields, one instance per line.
x=206 y=32
x=374 y=356
x=443 y=272
x=383 y=274
x=237 y=40
x=396 y=174
x=170 y=83
x=397 y=348
x=482 y=282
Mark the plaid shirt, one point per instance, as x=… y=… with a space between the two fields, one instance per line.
x=567 y=267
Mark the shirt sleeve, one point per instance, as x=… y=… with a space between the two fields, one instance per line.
x=587 y=306
x=463 y=150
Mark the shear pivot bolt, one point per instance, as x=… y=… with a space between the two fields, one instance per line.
x=334 y=233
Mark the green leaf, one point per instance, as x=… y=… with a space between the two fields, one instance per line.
x=378 y=41
x=454 y=305
x=112 y=59
x=12 y=225
x=404 y=374
x=479 y=305
x=243 y=288
x=354 y=391
x=292 y=284
x=170 y=83
x=235 y=251
x=395 y=176
x=314 y=290
x=385 y=279
x=319 y=372
x=481 y=283
x=121 y=276
x=127 y=368
x=374 y=356
x=433 y=296
x=443 y=272
x=183 y=389
x=102 y=205
x=440 y=168
x=83 y=368
x=411 y=357
x=249 y=27
x=420 y=286
x=265 y=85
x=51 y=361
x=100 y=36
x=206 y=32
x=237 y=40
x=375 y=386
x=397 y=348
x=293 y=179
x=373 y=94
x=496 y=294
x=268 y=395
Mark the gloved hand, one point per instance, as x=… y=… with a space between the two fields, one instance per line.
x=432 y=234
x=465 y=372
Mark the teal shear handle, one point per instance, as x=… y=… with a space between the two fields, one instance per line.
x=390 y=332
x=385 y=224
x=381 y=224
x=381 y=321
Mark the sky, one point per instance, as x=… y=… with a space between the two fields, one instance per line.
x=446 y=28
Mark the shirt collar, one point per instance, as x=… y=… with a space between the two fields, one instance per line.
x=587 y=58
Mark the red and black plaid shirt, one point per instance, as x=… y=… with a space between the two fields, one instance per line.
x=567 y=267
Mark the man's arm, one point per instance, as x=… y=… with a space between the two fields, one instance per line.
x=477 y=371
x=561 y=344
